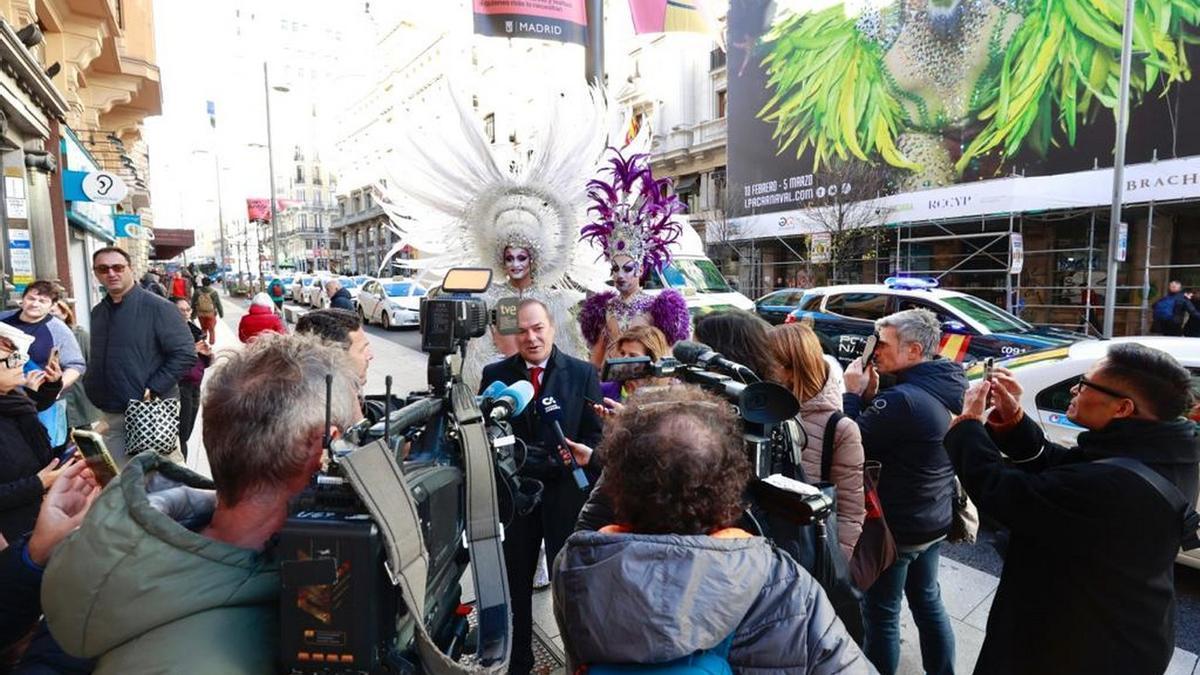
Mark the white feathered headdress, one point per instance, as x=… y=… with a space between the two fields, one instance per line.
x=459 y=204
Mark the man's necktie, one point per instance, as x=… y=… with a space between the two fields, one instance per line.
x=535 y=377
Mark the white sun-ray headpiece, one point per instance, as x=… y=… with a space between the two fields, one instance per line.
x=459 y=204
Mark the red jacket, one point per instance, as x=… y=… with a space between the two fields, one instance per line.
x=259 y=320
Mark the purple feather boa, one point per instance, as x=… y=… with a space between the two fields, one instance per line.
x=593 y=316
x=670 y=315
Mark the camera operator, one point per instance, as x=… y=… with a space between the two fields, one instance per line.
x=675 y=472
x=1088 y=583
x=902 y=428
x=568 y=380
x=164 y=577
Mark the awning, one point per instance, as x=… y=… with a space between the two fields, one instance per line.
x=84 y=223
x=687 y=184
x=170 y=243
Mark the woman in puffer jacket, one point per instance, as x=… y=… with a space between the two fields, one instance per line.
x=261 y=319
x=816 y=380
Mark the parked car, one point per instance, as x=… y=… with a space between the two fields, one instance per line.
x=777 y=305
x=971 y=328
x=1047 y=376
x=308 y=296
x=391 y=303
x=301 y=282
x=351 y=284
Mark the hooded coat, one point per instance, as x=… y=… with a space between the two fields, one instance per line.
x=1088 y=580
x=259 y=320
x=636 y=598
x=24 y=451
x=902 y=429
x=136 y=588
x=846 y=473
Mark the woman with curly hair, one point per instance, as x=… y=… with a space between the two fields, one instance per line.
x=816 y=380
x=675 y=472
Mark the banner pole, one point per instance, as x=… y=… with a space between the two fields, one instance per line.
x=593 y=63
x=1114 y=225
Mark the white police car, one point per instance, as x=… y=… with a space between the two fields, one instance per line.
x=972 y=329
x=1047 y=376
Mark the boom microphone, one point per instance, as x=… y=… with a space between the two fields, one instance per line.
x=552 y=414
x=510 y=401
x=700 y=354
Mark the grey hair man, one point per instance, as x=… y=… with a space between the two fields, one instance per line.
x=204 y=547
x=902 y=428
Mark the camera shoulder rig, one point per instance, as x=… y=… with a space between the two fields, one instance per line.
x=379 y=481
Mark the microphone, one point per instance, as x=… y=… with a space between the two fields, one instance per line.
x=490 y=392
x=699 y=354
x=552 y=414
x=511 y=400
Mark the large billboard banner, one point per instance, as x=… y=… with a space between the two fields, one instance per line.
x=561 y=20
x=959 y=107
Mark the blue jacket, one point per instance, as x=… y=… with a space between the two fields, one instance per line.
x=139 y=343
x=342 y=300
x=902 y=429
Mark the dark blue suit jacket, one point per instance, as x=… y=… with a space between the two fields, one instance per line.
x=568 y=380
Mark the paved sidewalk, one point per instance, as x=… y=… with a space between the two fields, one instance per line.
x=966 y=592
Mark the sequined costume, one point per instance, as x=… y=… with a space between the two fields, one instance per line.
x=937 y=89
x=632 y=221
x=460 y=205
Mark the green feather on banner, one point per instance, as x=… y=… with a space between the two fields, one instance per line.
x=1065 y=59
x=830 y=91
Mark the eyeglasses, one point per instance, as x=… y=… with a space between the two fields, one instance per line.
x=14 y=360
x=105 y=269
x=1084 y=382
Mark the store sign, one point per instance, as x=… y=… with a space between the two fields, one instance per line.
x=819 y=247
x=20 y=255
x=558 y=20
x=79 y=163
x=1122 y=241
x=15 y=203
x=103 y=187
x=825 y=91
x=1016 y=253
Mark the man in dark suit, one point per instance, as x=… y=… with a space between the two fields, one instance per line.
x=568 y=380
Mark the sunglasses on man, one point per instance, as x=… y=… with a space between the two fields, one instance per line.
x=105 y=269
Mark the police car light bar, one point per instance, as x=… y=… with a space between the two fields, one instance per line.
x=911 y=283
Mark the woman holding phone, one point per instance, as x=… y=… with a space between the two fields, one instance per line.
x=28 y=465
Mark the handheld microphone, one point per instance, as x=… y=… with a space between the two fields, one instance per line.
x=490 y=392
x=510 y=401
x=700 y=354
x=552 y=414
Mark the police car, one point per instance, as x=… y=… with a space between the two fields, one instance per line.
x=1047 y=376
x=972 y=329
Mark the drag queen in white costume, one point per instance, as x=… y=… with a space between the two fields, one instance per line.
x=456 y=203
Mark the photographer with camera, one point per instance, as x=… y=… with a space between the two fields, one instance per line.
x=559 y=378
x=902 y=428
x=1087 y=585
x=168 y=576
x=676 y=473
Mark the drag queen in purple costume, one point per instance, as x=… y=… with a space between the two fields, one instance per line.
x=633 y=227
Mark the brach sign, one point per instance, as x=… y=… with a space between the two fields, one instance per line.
x=562 y=20
x=946 y=102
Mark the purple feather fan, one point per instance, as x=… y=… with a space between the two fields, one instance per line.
x=670 y=315
x=593 y=316
x=632 y=212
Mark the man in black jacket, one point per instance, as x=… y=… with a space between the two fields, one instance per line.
x=140 y=344
x=1088 y=583
x=568 y=380
x=902 y=428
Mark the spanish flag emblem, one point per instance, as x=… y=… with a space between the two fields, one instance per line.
x=954 y=347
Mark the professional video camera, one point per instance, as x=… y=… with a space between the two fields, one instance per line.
x=372 y=553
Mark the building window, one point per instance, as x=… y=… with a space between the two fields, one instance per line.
x=299 y=174
x=303 y=222
x=722 y=101
x=489 y=127
x=368 y=200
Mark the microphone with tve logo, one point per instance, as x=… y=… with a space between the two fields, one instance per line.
x=552 y=413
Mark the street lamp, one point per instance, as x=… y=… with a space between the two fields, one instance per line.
x=220 y=210
x=271 y=168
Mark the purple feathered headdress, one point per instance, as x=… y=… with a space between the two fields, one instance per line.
x=632 y=212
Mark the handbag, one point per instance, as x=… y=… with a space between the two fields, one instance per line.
x=875 y=550
x=964 y=523
x=152 y=425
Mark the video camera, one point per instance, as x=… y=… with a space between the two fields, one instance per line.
x=771 y=431
x=372 y=553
